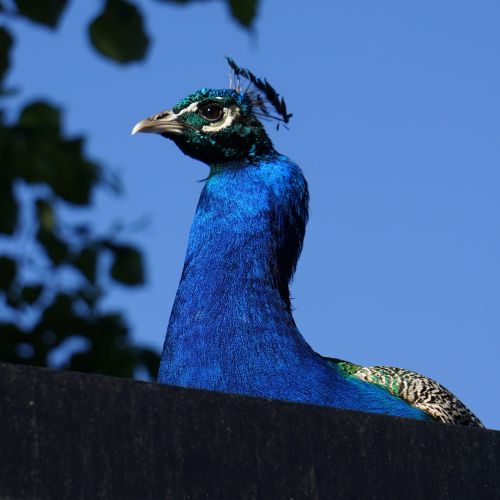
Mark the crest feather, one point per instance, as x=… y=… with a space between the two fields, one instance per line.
x=260 y=92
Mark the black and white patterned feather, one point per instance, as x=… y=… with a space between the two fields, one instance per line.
x=417 y=390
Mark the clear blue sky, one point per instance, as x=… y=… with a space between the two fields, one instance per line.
x=397 y=128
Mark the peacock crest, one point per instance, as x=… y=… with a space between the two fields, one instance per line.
x=266 y=102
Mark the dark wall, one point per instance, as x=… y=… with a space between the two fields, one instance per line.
x=70 y=435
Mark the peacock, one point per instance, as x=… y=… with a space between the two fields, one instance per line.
x=231 y=327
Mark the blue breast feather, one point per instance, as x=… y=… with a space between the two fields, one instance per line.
x=231 y=327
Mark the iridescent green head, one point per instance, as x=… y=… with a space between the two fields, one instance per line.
x=214 y=126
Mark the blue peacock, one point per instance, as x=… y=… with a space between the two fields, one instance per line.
x=231 y=328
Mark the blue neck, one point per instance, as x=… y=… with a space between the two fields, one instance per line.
x=244 y=243
x=231 y=327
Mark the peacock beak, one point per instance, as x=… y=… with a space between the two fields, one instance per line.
x=162 y=123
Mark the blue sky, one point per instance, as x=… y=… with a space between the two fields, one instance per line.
x=396 y=126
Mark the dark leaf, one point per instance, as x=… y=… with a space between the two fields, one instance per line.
x=25 y=350
x=86 y=262
x=111 y=328
x=110 y=352
x=5 y=46
x=72 y=176
x=45 y=12
x=127 y=267
x=244 y=11
x=82 y=230
x=45 y=215
x=13 y=297
x=8 y=208
x=41 y=154
x=10 y=337
x=90 y=295
x=60 y=309
x=60 y=319
x=151 y=361
x=41 y=116
x=10 y=330
x=118 y=32
x=8 y=270
x=56 y=249
x=31 y=294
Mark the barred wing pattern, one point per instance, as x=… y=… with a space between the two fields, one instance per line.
x=417 y=390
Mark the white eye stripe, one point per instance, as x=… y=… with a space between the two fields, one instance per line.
x=192 y=107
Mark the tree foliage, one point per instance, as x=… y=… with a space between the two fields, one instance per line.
x=118 y=31
x=55 y=273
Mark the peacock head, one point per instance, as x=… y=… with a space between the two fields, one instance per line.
x=221 y=126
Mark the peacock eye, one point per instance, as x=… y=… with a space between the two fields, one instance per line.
x=212 y=112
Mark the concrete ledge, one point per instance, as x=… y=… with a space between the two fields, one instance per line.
x=70 y=435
